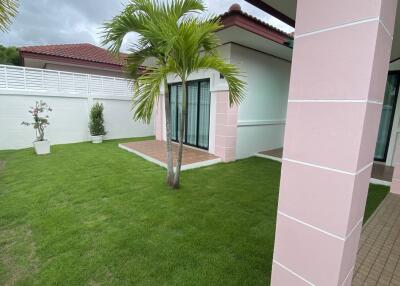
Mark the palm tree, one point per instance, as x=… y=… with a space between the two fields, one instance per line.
x=192 y=46
x=8 y=10
x=195 y=49
x=149 y=19
x=181 y=45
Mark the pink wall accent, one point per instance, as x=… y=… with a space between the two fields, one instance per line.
x=395 y=186
x=159 y=120
x=335 y=100
x=226 y=128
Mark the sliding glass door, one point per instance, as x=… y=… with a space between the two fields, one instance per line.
x=388 y=109
x=198 y=112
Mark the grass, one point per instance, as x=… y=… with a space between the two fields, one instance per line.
x=376 y=195
x=97 y=215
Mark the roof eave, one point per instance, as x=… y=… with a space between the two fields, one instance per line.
x=68 y=60
x=241 y=20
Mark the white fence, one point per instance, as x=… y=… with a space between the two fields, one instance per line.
x=21 y=78
x=70 y=95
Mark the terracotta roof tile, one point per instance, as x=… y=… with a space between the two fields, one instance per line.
x=235 y=9
x=86 y=52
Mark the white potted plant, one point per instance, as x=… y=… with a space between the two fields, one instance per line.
x=40 y=122
x=96 y=124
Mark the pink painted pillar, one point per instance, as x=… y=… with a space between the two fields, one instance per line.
x=159 y=120
x=395 y=186
x=226 y=128
x=339 y=71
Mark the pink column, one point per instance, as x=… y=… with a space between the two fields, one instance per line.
x=226 y=128
x=395 y=186
x=339 y=71
x=159 y=120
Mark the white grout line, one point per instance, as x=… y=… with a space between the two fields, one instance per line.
x=333 y=101
x=348 y=275
x=371 y=180
x=354 y=228
x=337 y=27
x=311 y=226
x=292 y=272
x=386 y=29
x=329 y=169
x=268 y=157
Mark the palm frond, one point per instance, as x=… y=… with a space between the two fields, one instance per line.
x=147 y=92
x=8 y=10
x=115 y=30
x=181 y=8
x=134 y=62
x=230 y=72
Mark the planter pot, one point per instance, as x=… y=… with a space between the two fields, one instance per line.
x=97 y=139
x=42 y=147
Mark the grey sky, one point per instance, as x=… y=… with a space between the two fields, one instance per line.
x=41 y=22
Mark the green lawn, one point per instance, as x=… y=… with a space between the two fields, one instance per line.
x=98 y=215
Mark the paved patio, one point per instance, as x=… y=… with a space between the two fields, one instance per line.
x=379 y=250
x=155 y=151
x=381 y=174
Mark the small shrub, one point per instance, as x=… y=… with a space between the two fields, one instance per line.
x=96 y=124
x=40 y=121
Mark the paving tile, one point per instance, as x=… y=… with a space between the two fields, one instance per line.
x=378 y=258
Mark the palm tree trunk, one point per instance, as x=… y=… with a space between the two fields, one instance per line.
x=181 y=133
x=170 y=160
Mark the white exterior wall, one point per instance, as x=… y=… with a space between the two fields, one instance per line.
x=70 y=96
x=262 y=114
x=68 y=120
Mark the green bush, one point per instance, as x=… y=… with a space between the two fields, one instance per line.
x=96 y=124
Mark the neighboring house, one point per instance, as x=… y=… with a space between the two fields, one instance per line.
x=263 y=56
x=79 y=58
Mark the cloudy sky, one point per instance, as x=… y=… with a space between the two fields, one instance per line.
x=42 y=22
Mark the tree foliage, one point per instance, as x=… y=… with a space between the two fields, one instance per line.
x=40 y=118
x=9 y=56
x=96 y=124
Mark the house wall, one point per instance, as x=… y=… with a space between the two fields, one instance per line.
x=217 y=87
x=71 y=97
x=80 y=69
x=261 y=116
x=68 y=120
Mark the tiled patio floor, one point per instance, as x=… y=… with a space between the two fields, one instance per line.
x=155 y=151
x=379 y=171
x=379 y=251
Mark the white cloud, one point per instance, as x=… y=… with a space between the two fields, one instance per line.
x=42 y=22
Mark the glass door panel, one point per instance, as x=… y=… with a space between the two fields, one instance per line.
x=204 y=114
x=198 y=112
x=388 y=109
x=174 y=114
x=192 y=106
x=179 y=111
